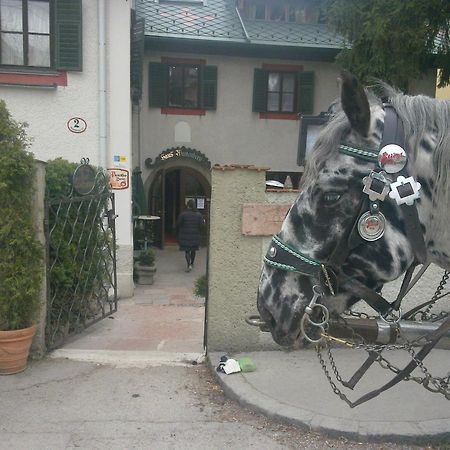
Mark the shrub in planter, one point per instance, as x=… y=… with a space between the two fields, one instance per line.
x=20 y=252
x=145 y=267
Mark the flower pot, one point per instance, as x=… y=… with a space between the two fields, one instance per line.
x=14 y=349
x=144 y=274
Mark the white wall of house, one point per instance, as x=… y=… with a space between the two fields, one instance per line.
x=47 y=111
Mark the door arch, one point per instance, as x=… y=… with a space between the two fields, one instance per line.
x=171 y=187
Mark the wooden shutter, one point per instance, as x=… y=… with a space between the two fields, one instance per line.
x=68 y=35
x=305 y=92
x=208 y=96
x=260 y=80
x=157 y=84
x=137 y=58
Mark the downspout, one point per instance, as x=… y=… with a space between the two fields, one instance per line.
x=102 y=113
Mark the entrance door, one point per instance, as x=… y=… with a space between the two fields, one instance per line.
x=169 y=194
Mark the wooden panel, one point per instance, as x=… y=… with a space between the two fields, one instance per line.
x=262 y=219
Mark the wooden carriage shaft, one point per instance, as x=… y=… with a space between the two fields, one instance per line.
x=380 y=332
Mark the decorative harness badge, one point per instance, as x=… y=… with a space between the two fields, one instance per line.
x=392 y=158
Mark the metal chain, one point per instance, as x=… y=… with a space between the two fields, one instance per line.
x=433 y=384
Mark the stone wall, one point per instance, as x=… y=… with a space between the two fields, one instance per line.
x=38 y=347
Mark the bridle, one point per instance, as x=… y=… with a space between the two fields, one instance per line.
x=390 y=158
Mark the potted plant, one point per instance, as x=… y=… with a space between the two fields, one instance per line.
x=145 y=267
x=21 y=253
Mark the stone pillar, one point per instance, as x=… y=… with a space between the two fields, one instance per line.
x=234 y=261
x=38 y=347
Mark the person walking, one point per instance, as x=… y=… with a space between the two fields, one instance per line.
x=189 y=226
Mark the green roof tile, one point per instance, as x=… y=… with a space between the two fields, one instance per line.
x=218 y=20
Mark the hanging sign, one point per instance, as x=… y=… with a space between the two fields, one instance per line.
x=119 y=179
x=83 y=179
x=77 y=125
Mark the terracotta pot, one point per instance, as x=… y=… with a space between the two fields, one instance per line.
x=14 y=349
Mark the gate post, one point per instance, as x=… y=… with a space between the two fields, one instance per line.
x=38 y=347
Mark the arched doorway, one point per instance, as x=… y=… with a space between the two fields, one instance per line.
x=175 y=180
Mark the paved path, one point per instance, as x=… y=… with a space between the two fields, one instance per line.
x=161 y=323
x=290 y=386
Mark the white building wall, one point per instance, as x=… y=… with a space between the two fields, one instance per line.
x=47 y=110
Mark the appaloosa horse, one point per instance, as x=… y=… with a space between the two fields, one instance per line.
x=374 y=203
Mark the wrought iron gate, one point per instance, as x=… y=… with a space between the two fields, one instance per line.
x=81 y=268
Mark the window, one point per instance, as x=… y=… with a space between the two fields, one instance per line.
x=25 y=32
x=284 y=92
x=280 y=92
x=293 y=11
x=41 y=33
x=183 y=86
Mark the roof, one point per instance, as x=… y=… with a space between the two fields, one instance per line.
x=218 y=20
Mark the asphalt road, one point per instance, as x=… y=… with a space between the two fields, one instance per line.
x=63 y=404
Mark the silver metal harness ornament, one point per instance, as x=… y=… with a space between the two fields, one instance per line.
x=315 y=308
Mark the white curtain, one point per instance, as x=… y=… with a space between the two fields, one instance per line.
x=11 y=20
x=38 y=32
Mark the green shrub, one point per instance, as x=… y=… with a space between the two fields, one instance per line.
x=147 y=257
x=201 y=286
x=80 y=250
x=21 y=253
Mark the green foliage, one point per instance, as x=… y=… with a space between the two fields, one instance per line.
x=80 y=251
x=147 y=257
x=21 y=254
x=201 y=286
x=393 y=40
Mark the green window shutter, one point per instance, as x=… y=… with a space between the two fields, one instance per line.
x=137 y=58
x=158 y=77
x=260 y=80
x=208 y=87
x=305 y=92
x=68 y=35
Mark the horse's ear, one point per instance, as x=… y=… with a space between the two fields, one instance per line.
x=354 y=103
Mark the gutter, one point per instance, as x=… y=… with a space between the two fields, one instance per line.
x=247 y=37
x=102 y=113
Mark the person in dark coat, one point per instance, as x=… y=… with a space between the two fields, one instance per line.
x=189 y=226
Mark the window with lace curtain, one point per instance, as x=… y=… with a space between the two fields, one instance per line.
x=25 y=33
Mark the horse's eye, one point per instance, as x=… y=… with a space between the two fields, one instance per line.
x=331 y=197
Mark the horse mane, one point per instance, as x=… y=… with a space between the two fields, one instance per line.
x=421 y=116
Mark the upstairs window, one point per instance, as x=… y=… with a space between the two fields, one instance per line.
x=292 y=11
x=187 y=86
x=284 y=92
x=280 y=92
x=25 y=32
x=183 y=86
x=41 y=33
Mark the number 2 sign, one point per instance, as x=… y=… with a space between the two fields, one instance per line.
x=76 y=125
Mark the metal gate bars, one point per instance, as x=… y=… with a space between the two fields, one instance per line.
x=81 y=264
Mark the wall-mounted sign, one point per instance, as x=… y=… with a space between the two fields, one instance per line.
x=77 y=125
x=83 y=179
x=119 y=161
x=181 y=152
x=119 y=179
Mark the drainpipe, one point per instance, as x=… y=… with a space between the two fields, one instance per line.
x=103 y=162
